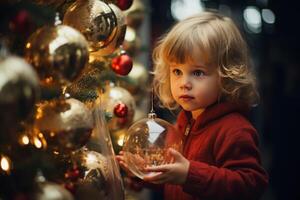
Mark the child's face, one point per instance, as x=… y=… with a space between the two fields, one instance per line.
x=194 y=86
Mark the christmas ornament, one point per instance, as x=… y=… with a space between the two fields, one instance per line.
x=50 y=191
x=135 y=14
x=95 y=182
x=124 y=4
x=19 y=92
x=121 y=110
x=101 y=24
x=58 y=53
x=121 y=64
x=147 y=143
x=110 y=99
x=132 y=43
x=66 y=124
x=118 y=39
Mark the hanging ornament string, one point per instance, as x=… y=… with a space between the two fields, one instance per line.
x=152 y=114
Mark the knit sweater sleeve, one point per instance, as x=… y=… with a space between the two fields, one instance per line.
x=238 y=173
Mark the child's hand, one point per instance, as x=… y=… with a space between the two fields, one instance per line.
x=123 y=165
x=174 y=173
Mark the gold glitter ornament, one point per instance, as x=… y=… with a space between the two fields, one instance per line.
x=98 y=22
x=65 y=124
x=112 y=96
x=58 y=53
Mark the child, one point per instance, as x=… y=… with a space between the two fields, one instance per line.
x=202 y=66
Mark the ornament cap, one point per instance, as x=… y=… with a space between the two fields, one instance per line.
x=152 y=115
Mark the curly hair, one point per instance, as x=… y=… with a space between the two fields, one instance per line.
x=216 y=39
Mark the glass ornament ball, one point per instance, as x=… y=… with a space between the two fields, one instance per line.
x=147 y=144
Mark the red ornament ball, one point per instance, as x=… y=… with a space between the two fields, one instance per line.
x=121 y=110
x=124 y=4
x=122 y=64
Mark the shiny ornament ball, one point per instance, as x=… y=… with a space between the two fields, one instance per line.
x=122 y=64
x=97 y=21
x=119 y=37
x=19 y=91
x=121 y=110
x=147 y=143
x=113 y=96
x=95 y=182
x=124 y=4
x=58 y=53
x=66 y=125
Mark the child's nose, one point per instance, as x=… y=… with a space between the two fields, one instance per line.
x=186 y=84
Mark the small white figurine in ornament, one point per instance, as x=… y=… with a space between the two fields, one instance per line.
x=202 y=67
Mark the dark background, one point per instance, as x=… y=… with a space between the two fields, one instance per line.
x=275 y=52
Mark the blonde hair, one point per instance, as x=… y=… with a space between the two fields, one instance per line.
x=217 y=39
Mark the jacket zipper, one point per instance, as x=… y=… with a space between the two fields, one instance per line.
x=186 y=133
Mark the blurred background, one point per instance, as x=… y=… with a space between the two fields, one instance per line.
x=272 y=33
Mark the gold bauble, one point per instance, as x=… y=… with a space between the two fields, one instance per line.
x=58 y=53
x=112 y=96
x=66 y=125
x=135 y=14
x=95 y=182
x=98 y=22
x=119 y=38
x=18 y=92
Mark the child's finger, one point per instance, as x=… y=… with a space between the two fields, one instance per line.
x=177 y=156
x=160 y=168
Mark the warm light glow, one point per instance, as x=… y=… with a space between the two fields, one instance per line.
x=28 y=45
x=181 y=9
x=37 y=143
x=5 y=163
x=25 y=139
x=121 y=140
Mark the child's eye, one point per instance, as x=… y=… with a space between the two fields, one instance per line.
x=198 y=73
x=177 y=72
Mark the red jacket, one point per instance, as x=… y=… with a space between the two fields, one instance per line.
x=222 y=147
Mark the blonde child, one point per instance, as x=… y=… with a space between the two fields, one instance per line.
x=202 y=67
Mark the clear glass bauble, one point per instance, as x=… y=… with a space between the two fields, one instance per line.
x=147 y=143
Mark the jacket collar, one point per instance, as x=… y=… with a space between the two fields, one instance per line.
x=210 y=114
